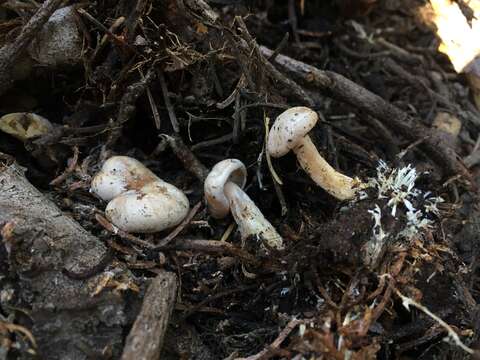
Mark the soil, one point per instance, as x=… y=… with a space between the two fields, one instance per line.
x=181 y=85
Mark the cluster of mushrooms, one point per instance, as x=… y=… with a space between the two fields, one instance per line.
x=140 y=202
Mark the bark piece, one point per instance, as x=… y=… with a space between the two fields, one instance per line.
x=146 y=336
x=44 y=246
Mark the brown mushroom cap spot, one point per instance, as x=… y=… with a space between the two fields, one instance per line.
x=289 y=128
x=226 y=170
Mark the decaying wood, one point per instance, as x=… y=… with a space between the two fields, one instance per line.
x=10 y=53
x=146 y=336
x=394 y=118
x=43 y=247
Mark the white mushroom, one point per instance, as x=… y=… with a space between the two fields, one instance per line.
x=140 y=202
x=154 y=207
x=224 y=194
x=290 y=132
x=119 y=174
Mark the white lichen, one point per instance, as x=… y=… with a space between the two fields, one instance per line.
x=397 y=186
x=374 y=247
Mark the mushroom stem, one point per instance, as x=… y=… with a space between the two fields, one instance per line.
x=335 y=183
x=249 y=218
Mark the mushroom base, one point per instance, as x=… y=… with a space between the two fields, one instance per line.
x=250 y=219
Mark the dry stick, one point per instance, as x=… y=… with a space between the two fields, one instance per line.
x=145 y=339
x=292 y=17
x=107 y=225
x=167 y=239
x=281 y=45
x=418 y=82
x=133 y=19
x=70 y=168
x=153 y=106
x=277 y=342
x=347 y=91
x=214 y=297
x=10 y=53
x=207 y=143
x=111 y=30
x=168 y=103
x=452 y=335
x=207 y=246
x=212 y=247
x=127 y=105
x=286 y=82
x=236 y=120
x=185 y=155
x=115 y=39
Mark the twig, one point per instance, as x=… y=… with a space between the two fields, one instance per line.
x=127 y=104
x=212 y=247
x=153 y=106
x=168 y=103
x=10 y=53
x=133 y=19
x=188 y=159
x=12 y=328
x=277 y=182
x=107 y=225
x=216 y=141
x=262 y=104
x=70 y=168
x=237 y=118
x=451 y=333
x=279 y=47
x=292 y=17
x=264 y=354
x=166 y=240
x=117 y=40
x=286 y=82
x=416 y=81
x=214 y=297
x=145 y=339
x=116 y=24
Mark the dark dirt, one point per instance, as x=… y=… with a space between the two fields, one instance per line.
x=181 y=85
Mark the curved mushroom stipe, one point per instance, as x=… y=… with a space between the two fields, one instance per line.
x=336 y=184
x=224 y=194
x=290 y=132
x=250 y=219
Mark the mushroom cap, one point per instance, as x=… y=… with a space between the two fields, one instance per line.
x=24 y=126
x=155 y=207
x=226 y=170
x=289 y=128
x=447 y=123
x=119 y=174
